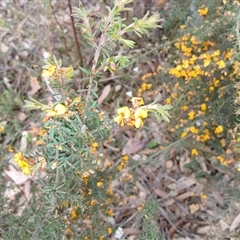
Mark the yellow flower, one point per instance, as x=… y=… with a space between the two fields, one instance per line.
x=221 y=64
x=140 y=113
x=138 y=123
x=204 y=107
x=184 y=134
x=218 y=129
x=215 y=82
x=73 y=214
x=185 y=37
x=22 y=163
x=26 y=170
x=227 y=161
x=220 y=159
x=177 y=45
x=203 y=195
x=137 y=101
x=215 y=53
x=227 y=54
x=146 y=86
x=99 y=184
x=191 y=115
x=193 y=130
x=59 y=109
x=168 y=101
x=194 y=40
x=194 y=152
x=206 y=62
x=77 y=100
x=94 y=147
x=48 y=71
x=110 y=212
x=17 y=157
x=66 y=72
x=123 y=113
x=95 y=144
x=125 y=158
x=185 y=63
x=192 y=59
x=184 y=108
x=203 y=11
x=211 y=88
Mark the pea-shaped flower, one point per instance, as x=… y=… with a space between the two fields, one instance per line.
x=139 y=115
x=59 y=109
x=48 y=70
x=137 y=101
x=123 y=113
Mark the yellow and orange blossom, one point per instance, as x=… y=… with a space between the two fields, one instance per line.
x=203 y=11
x=59 y=109
x=22 y=163
x=123 y=113
x=48 y=71
x=137 y=101
x=138 y=115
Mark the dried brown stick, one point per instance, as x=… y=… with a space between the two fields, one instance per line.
x=75 y=35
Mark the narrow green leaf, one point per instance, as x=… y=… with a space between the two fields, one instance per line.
x=84 y=70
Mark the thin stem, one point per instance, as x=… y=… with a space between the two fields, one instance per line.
x=94 y=64
x=22 y=192
x=75 y=34
x=103 y=40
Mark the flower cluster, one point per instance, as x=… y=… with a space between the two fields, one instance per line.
x=203 y=69
x=58 y=110
x=146 y=86
x=132 y=116
x=53 y=69
x=199 y=84
x=23 y=163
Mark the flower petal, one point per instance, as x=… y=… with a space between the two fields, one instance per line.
x=138 y=123
x=140 y=113
x=124 y=111
x=60 y=109
x=119 y=120
x=137 y=101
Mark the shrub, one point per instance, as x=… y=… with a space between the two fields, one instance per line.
x=200 y=74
